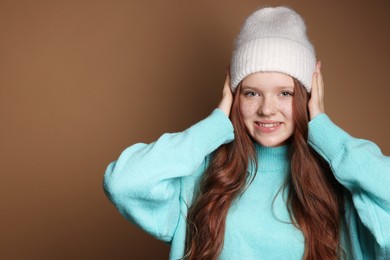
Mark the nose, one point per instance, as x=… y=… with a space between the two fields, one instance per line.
x=267 y=107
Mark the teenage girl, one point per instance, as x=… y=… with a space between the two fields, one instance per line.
x=267 y=175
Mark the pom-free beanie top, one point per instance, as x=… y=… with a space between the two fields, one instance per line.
x=273 y=39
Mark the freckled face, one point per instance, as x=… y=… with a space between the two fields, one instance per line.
x=266 y=106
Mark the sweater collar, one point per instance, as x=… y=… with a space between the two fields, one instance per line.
x=272 y=158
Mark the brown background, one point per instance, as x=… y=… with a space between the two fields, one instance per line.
x=82 y=80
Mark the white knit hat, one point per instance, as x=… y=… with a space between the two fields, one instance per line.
x=273 y=39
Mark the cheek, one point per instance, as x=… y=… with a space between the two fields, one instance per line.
x=248 y=108
x=286 y=109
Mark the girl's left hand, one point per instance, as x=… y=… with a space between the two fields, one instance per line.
x=316 y=103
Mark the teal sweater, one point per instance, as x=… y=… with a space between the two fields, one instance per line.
x=152 y=185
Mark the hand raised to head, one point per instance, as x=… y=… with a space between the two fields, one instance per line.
x=227 y=96
x=316 y=103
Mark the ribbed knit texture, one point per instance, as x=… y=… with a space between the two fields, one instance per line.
x=273 y=39
x=258 y=223
x=152 y=185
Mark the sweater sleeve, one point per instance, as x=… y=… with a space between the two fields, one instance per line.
x=360 y=166
x=144 y=183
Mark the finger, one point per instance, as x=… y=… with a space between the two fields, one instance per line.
x=228 y=70
x=228 y=76
x=318 y=80
x=227 y=97
x=227 y=81
x=314 y=87
x=318 y=66
x=313 y=105
x=321 y=88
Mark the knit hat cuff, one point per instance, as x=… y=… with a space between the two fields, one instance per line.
x=273 y=55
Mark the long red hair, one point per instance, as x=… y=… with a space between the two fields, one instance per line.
x=315 y=199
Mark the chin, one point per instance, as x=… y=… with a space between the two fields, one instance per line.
x=267 y=142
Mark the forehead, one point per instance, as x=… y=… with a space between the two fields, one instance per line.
x=268 y=79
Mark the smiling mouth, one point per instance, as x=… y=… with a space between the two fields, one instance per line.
x=267 y=125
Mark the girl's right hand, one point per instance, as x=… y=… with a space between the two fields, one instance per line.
x=316 y=102
x=227 y=96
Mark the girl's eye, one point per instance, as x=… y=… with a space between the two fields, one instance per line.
x=250 y=93
x=287 y=93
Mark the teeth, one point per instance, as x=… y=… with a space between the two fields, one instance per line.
x=269 y=125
